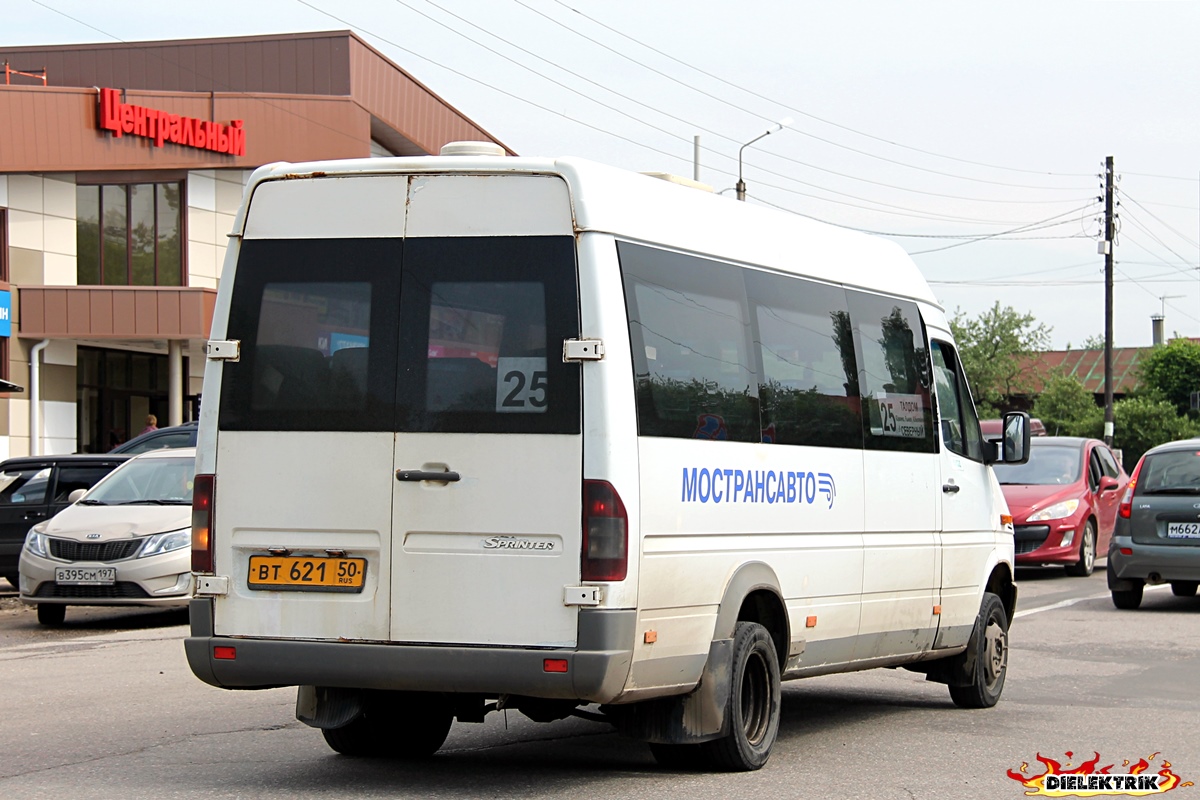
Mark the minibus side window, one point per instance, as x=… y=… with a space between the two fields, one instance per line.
x=893 y=364
x=809 y=388
x=958 y=422
x=689 y=329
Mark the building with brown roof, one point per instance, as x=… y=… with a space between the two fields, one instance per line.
x=121 y=167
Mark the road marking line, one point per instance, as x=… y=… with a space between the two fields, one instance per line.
x=1073 y=601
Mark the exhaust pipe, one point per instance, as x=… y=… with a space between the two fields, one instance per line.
x=1154 y=578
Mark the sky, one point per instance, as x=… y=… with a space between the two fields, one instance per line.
x=973 y=135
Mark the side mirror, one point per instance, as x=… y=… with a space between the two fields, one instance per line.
x=1015 y=444
x=1108 y=484
x=76 y=495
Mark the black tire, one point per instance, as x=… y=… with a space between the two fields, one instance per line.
x=1087 y=553
x=1129 y=599
x=987 y=655
x=678 y=756
x=1184 y=588
x=754 y=703
x=51 y=614
x=405 y=725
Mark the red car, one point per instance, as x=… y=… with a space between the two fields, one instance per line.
x=1063 y=502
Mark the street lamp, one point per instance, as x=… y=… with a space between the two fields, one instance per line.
x=741 y=184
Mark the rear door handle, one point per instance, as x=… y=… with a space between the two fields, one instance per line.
x=35 y=515
x=950 y=488
x=427 y=475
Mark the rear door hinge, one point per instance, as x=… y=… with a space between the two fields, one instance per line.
x=223 y=350
x=583 y=350
x=211 y=585
x=581 y=595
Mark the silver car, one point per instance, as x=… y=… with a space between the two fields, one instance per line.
x=1157 y=536
x=127 y=541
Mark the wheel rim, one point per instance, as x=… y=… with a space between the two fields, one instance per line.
x=756 y=699
x=1089 y=549
x=995 y=652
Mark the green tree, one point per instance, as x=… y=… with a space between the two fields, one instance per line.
x=1142 y=422
x=1068 y=409
x=1172 y=373
x=995 y=348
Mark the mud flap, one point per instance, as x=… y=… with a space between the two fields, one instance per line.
x=328 y=707
x=686 y=719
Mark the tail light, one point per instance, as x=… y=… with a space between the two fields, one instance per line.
x=1126 y=506
x=605 y=534
x=203 y=488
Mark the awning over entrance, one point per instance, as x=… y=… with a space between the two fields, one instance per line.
x=115 y=312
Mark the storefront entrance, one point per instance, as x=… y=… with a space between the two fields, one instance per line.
x=118 y=389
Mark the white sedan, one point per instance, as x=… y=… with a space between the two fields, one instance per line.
x=127 y=541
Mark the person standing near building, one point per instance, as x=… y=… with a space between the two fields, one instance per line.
x=151 y=424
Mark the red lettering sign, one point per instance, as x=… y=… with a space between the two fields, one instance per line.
x=162 y=126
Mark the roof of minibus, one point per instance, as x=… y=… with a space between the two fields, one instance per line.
x=648 y=209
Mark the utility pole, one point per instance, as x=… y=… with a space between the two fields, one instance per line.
x=1109 y=230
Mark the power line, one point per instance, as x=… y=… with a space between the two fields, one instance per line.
x=689 y=123
x=1131 y=199
x=784 y=105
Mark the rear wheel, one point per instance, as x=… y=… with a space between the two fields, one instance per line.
x=51 y=614
x=1087 y=553
x=1129 y=599
x=752 y=711
x=986 y=657
x=1184 y=588
x=396 y=725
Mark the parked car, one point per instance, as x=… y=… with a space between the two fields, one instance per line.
x=125 y=542
x=1157 y=538
x=1063 y=502
x=175 y=436
x=35 y=488
x=992 y=428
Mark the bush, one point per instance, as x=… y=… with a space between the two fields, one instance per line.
x=1066 y=408
x=1142 y=423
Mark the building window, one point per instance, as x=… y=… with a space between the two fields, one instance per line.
x=129 y=234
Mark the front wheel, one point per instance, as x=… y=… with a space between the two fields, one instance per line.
x=986 y=657
x=753 y=709
x=1087 y=553
x=394 y=724
x=1184 y=588
x=51 y=614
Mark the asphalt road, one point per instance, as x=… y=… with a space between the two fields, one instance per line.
x=107 y=708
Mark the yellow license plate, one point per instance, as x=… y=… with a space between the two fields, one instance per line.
x=307 y=573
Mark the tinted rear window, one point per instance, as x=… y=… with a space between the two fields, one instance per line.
x=446 y=334
x=1177 y=471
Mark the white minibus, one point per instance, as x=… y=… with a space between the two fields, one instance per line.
x=484 y=432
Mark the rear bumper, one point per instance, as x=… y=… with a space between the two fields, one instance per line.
x=596 y=670
x=1168 y=562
